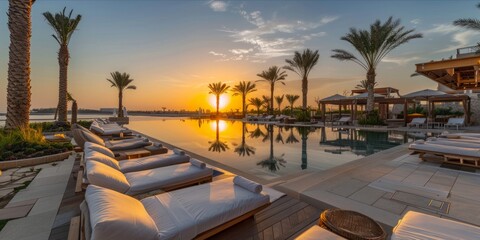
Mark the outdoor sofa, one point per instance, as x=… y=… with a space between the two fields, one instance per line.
x=196 y=212
x=134 y=183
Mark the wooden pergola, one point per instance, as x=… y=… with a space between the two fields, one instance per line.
x=464 y=99
x=386 y=91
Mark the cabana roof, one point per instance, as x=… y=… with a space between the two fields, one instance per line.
x=334 y=97
x=386 y=91
x=365 y=96
x=423 y=94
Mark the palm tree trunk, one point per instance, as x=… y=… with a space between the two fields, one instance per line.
x=18 y=87
x=291 y=109
x=74 y=112
x=120 y=103
x=272 y=87
x=243 y=104
x=304 y=93
x=370 y=93
x=218 y=103
x=63 y=57
x=304 y=149
x=258 y=110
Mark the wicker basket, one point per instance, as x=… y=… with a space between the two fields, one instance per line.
x=351 y=225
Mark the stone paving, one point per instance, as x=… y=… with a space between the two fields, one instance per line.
x=46 y=190
x=386 y=185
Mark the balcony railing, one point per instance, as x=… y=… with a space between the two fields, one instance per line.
x=468 y=51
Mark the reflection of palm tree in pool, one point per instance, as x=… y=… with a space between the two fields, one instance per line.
x=217 y=145
x=243 y=148
x=304 y=131
x=257 y=132
x=291 y=138
x=279 y=137
x=272 y=163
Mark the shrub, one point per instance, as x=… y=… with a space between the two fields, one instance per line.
x=371 y=119
x=302 y=116
x=84 y=123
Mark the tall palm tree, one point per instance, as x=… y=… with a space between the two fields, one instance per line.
x=243 y=89
x=218 y=89
x=291 y=99
x=273 y=75
x=364 y=84
x=244 y=148
x=257 y=102
x=64 y=26
x=18 y=87
x=279 y=100
x=469 y=23
x=373 y=45
x=302 y=64
x=122 y=82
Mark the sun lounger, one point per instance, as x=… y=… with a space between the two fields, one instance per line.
x=417 y=122
x=454 y=155
x=134 y=183
x=342 y=121
x=82 y=136
x=108 y=129
x=455 y=122
x=92 y=153
x=415 y=225
x=474 y=136
x=453 y=142
x=196 y=212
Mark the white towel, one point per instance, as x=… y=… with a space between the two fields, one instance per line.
x=178 y=151
x=197 y=163
x=247 y=184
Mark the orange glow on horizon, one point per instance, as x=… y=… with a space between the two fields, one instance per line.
x=224 y=99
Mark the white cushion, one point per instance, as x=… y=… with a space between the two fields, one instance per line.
x=104 y=176
x=91 y=155
x=117 y=216
x=316 y=232
x=415 y=225
x=99 y=148
x=90 y=137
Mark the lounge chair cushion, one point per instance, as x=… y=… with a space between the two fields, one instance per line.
x=316 y=232
x=155 y=161
x=99 y=148
x=104 y=176
x=164 y=177
x=185 y=213
x=415 y=225
x=91 y=155
x=445 y=150
x=118 y=217
x=87 y=229
x=247 y=184
x=90 y=137
x=127 y=145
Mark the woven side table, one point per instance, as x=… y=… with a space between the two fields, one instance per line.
x=351 y=225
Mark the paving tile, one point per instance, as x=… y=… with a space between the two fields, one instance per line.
x=30 y=227
x=347 y=188
x=411 y=199
x=39 y=192
x=367 y=195
x=464 y=209
x=443 y=179
x=467 y=191
x=368 y=176
x=46 y=204
x=15 y=212
x=419 y=177
x=390 y=206
x=468 y=179
x=439 y=187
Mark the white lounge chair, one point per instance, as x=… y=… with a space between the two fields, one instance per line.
x=455 y=122
x=95 y=152
x=108 y=129
x=196 y=212
x=134 y=183
x=417 y=122
x=453 y=142
x=454 y=155
x=82 y=136
x=415 y=225
x=343 y=121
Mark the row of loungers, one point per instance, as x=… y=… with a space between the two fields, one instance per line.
x=458 y=148
x=105 y=128
x=110 y=212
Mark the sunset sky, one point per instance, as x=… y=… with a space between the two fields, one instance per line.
x=174 y=49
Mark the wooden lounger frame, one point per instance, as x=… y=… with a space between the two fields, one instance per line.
x=77 y=225
x=451 y=158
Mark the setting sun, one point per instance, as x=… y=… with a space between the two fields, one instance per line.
x=224 y=99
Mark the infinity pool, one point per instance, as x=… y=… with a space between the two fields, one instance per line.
x=268 y=151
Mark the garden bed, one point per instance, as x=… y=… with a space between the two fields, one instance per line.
x=34 y=161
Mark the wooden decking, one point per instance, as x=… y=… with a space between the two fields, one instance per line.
x=283 y=219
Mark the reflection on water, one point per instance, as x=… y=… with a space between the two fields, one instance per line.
x=269 y=151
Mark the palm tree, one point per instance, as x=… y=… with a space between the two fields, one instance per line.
x=243 y=89
x=373 y=46
x=64 y=26
x=364 y=84
x=244 y=148
x=291 y=99
x=273 y=75
x=74 y=107
x=217 y=145
x=302 y=64
x=279 y=100
x=257 y=132
x=218 y=89
x=257 y=102
x=291 y=138
x=469 y=23
x=266 y=102
x=18 y=87
x=304 y=131
x=122 y=82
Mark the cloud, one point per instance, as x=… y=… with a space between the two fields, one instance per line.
x=400 y=60
x=273 y=38
x=216 y=54
x=460 y=37
x=415 y=21
x=218 y=6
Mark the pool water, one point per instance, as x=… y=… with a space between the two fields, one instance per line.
x=267 y=151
